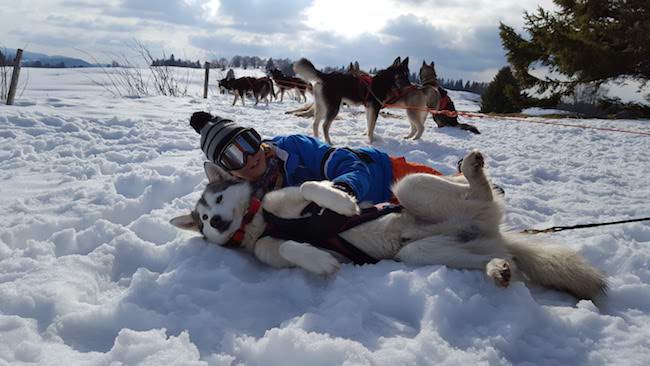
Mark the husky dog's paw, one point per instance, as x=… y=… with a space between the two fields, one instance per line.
x=309 y=258
x=499 y=270
x=472 y=164
x=325 y=195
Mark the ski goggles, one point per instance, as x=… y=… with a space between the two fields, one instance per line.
x=235 y=154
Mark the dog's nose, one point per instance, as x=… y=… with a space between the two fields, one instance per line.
x=218 y=223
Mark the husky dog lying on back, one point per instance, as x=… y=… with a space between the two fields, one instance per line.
x=446 y=221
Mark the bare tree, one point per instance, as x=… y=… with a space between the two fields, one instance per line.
x=128 y=79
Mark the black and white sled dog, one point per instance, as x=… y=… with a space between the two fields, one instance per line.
x=452 y=221
x=307 y=110
x=330 y=89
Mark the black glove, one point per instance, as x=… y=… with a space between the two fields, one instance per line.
x=345 y=188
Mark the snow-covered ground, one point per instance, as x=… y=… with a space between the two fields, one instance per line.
x=91 y=273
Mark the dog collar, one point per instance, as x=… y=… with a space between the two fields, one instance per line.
x=238 y=237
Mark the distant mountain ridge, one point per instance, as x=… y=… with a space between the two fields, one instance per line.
x=31 y=58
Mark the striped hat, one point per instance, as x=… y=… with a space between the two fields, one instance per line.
x=216 y=133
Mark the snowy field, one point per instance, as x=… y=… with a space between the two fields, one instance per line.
x=91 y=273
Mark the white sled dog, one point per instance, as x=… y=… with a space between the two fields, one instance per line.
x=446 y=221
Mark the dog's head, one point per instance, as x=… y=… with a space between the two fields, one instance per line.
x=428 y=73
x=225 y=85
x=276 y=74
x=221 y=208
x=396 y=74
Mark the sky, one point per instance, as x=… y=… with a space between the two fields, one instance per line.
x=460 y=36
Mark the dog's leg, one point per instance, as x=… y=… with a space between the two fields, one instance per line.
x=325 y=195
x=372 y=113
x=267 y=250
x=448 y=251
x=442 y=250
x=411 y=117
x=280 y=253
x=472 y=168
x=309 y=258
x=242 y=95
x=281 y=94
x=419 y=120
x=500 y=271
x=320 y=108
x=287 y=203
x=236 y=93
x=307 y=112
x=330 y=114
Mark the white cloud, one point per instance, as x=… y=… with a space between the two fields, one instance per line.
x=460 y=35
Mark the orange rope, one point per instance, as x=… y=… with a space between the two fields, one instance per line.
x=476 y=115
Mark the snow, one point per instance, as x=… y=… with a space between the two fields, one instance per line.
x=536 y=111
x=91 y=273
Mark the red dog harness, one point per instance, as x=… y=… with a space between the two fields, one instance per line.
x=238 y=237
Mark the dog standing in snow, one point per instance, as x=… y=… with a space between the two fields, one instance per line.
x=452 y=221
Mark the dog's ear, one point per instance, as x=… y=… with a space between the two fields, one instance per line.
x=424 y=63
x=215 y=173
x=397 y=61
x=185 y=222
x=433 y=64
x=356 y=66
x=405 y=63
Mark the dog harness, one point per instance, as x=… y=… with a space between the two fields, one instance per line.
x=445 y=101
x=365 y=81
x=238 y=237
x=322 y=228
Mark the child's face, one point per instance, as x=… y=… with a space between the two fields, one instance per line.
x=254 y=168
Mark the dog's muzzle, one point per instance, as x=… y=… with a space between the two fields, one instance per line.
x=219 y=224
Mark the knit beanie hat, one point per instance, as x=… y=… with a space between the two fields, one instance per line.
x=216 y=133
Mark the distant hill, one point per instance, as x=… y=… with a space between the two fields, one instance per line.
x=33 y=59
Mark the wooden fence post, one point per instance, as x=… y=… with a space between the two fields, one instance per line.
x=14 y=77
x=205 y=82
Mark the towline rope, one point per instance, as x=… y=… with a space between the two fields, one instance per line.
x=555 y=229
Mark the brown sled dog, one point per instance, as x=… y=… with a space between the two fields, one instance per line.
x=428 y=77
x=261 y=88
x=290 y=83
x=419 y=100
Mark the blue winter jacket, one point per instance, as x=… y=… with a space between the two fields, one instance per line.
x=367 y=171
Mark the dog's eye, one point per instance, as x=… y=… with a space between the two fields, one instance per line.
x=219 y=199
x=204 y=217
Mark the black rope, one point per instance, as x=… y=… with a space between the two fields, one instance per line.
x=555 y=229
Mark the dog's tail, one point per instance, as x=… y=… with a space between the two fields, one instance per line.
x=306 y=70
x=470 y=128
x=557 y=267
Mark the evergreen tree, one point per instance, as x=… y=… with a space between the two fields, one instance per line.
x=503 y=95
x=589 y=41
x=269 y=64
